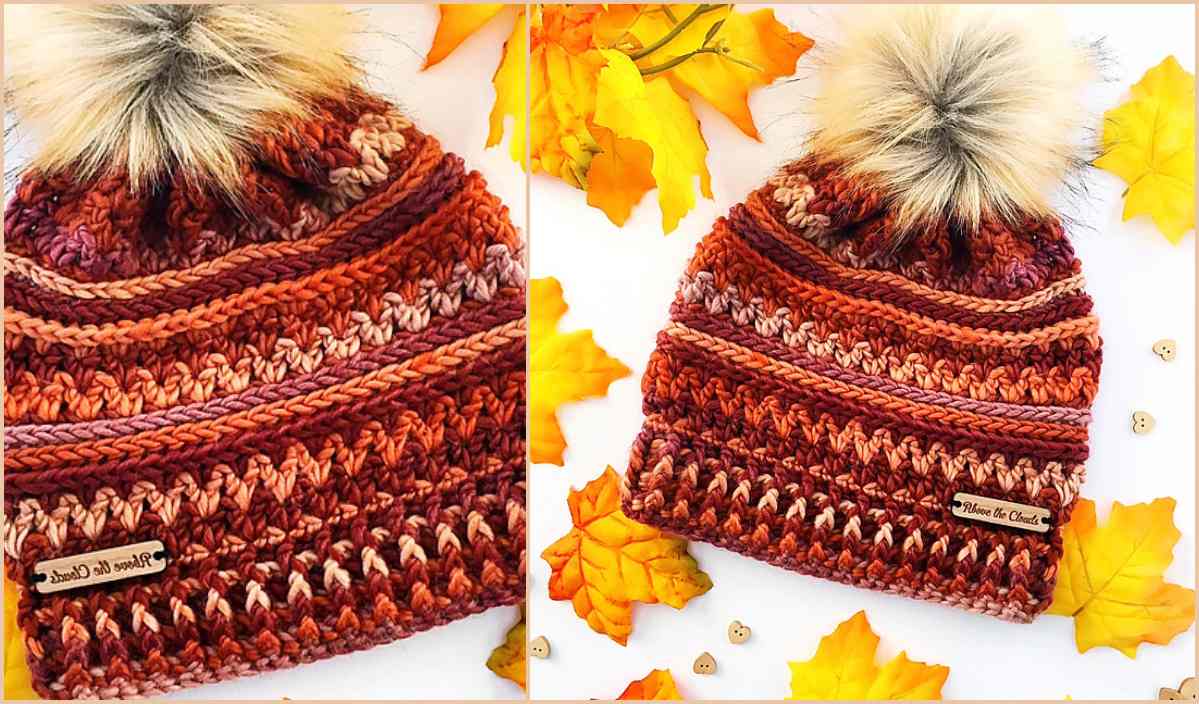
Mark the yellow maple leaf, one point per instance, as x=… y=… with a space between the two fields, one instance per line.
x=607 y=561
x=843 y=668
x=737 y=53
x=508 y=658
x=18 y=681
x=511 y=92
x=1149 y=142
x=563 y=89
x=620 y=137
x=651 y=112
x=658 y=685
x=458 y=22
x=563 y=367
x=1110 y=577
x=562 y=78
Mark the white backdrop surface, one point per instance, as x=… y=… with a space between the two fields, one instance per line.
x=452 y=100
x=620 y=281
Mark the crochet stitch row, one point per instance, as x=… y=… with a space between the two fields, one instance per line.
x=820 y=396
x=319 y=409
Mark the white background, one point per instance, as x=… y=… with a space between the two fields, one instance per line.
x=452 y=100
x=620 y=281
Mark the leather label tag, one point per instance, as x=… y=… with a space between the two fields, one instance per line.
x=1000 y=512
x=108 y=565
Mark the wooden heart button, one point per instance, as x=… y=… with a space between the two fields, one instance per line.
x=1189 y=689
x=539 y=647
x=1166 y=349
x=705 y=665
x=738 y=633
x=1142 y=422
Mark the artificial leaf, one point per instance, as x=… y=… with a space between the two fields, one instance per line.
x=508 y=658
x=658 y=685
x=563 y=367
x=18 y=681
x=607 y=561
x=563 y=90
x=511 y=92
x=1110 y=577
x=456 y=24
x=620 y=175
x=1149 y=142
x=620 y=139
x=843 y=668
x=653 y=113
x=738 y=53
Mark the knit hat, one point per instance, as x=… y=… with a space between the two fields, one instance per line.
x=255 y=315
x=890 y=337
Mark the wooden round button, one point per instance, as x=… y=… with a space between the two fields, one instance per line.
x=1167 y=349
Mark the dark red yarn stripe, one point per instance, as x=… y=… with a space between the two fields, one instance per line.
x=704 y=453
x=117 y=597
x=1066 y=307
x=258 y=328
x=454 y=610
x=712 y=366
x=760 y=459
x=721 y=327
x=403 y=345
x=1066 y=354
x=858 y=212
x=486 y=370
x=887 y=565
x=481 y=475
x=445 y=180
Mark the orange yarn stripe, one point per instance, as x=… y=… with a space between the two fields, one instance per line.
x=438 y=361
x=1087 y=326
x=750 y=359
x=845 y=481
x=766 y=218
x=360 y=214
x=219 y=311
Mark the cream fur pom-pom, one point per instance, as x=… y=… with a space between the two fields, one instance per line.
x=957 y=113
x=154 y=88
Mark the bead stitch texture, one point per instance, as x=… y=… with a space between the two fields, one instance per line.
x=819 y=396
x=315 y=400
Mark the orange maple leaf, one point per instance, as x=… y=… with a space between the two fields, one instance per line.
x=658 y=685
x=607 y=561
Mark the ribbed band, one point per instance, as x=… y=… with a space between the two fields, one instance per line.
x=818 y=398
x=316 y=403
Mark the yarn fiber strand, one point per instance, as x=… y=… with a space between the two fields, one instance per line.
x=315 y=400
x=818 y=399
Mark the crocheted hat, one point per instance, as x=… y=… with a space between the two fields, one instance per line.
x=254 y=314
x=890 y=337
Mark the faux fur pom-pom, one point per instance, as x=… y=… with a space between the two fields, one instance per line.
x=957 y=113
x=152 y=88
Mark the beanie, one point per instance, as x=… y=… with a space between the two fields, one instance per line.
x=879 y=367
x=264 y=354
